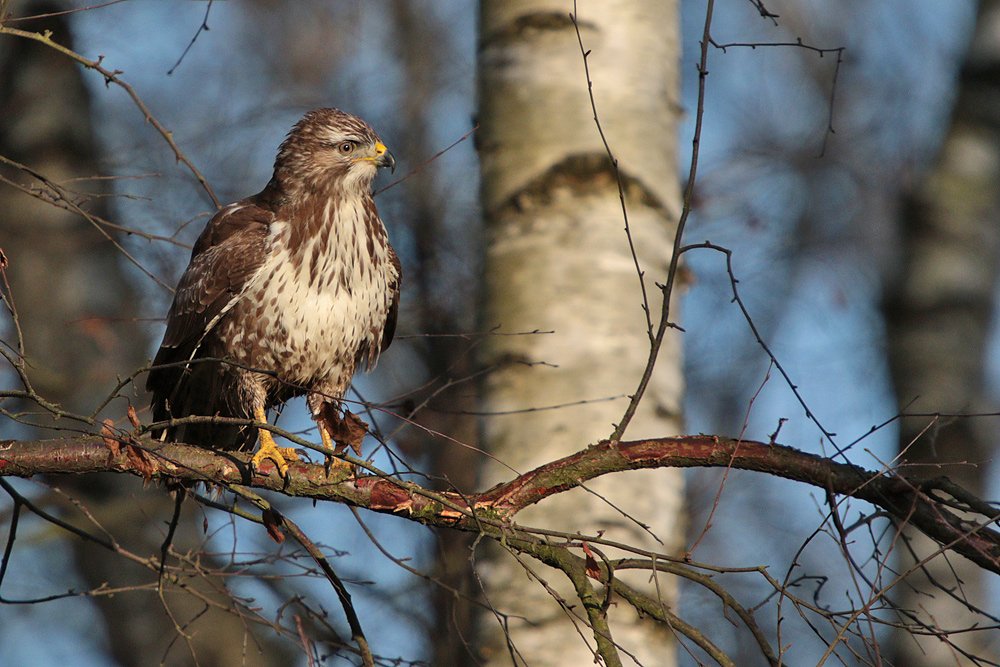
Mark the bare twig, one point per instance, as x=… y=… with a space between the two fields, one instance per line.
x=109 y=78
x=618 y=174
x=667 y=288
x=202 y=28
x=343 y=595
x=70 y=204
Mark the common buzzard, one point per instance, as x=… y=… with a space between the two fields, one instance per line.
x=288 y=292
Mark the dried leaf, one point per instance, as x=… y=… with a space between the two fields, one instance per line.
x=593 y=569
x=139 y=461
x=108 y=433
x=272 y=521
x=348 y=431
x=132 y=417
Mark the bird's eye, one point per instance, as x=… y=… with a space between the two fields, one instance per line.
x=346 y=147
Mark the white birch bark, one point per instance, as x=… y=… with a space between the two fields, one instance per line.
x=558 y=260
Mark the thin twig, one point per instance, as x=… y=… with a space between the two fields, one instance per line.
x=831 y=436
x=420 y=167
x=618 y=174
x=668 y=288
x=109 y=78
x=357 y=632
x=202 y=28
x=74 y=207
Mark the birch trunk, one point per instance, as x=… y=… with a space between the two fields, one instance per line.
x=558 y=262
x=939 y=314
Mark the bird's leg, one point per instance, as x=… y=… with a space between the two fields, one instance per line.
x=329 y=444
x=268 y=450
x=330 y=423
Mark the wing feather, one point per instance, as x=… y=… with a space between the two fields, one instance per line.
x=227 y=254
x=389 y=330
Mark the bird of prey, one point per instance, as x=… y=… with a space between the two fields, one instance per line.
x=287 y=293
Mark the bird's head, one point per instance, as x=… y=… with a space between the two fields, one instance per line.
x=329 y=148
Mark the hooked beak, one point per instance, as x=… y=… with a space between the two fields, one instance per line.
x=383 y=158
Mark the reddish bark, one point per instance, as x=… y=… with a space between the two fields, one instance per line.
x=917 y=501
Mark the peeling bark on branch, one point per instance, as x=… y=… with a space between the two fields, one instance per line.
x=932 y=505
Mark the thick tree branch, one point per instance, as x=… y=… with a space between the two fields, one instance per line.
x=944 y=512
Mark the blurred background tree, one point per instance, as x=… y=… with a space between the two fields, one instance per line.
x=80 y=319
x=867 y=263
x=939 y=312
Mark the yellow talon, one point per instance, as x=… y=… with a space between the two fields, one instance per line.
x=268 y=450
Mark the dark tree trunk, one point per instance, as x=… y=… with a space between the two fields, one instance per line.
x=443 y=309
x=939 y=312
x=78 y=314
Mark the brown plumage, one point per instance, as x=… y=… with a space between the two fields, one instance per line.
x=298 y=282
